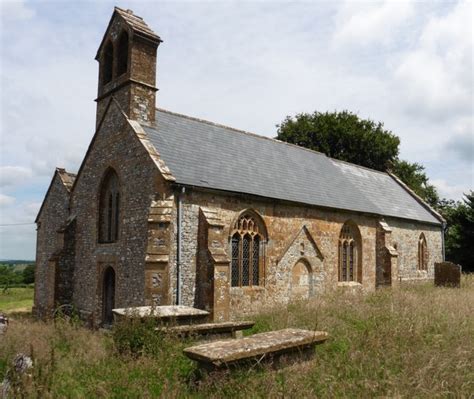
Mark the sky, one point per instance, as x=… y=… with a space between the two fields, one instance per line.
x=242 y=64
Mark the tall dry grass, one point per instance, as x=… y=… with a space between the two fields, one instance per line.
x=416 y=341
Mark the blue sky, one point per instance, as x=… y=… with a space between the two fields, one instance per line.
x=245 y=64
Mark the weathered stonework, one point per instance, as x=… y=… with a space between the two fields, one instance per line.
x=405 y=235
x=447 y=274
x=53 y=265
x=117 y=146
x=160 y=222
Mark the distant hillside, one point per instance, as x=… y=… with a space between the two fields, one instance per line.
x=16 y=262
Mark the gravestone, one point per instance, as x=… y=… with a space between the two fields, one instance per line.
x=447 y=274
x=3 y=323
x=20 y=366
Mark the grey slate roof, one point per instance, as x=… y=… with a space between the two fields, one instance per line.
x=204 y=154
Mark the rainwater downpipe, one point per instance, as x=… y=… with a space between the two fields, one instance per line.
x=443 y=230
x=178 y=247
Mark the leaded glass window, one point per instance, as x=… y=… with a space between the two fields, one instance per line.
x=109 y=208
x=349 y=253
x=247 y=251
x=422 y=253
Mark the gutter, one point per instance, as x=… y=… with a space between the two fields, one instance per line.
x=178 y=246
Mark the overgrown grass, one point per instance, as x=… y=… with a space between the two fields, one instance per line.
x=416 y=341
x=14 y=299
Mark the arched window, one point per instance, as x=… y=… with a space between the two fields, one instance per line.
x=109 y=208
x=122 y=54
x=350 y=253
x=422 y=253
x=247 y=241
x=107 y=63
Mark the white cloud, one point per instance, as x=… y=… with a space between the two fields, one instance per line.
x=15 y=10
x=435 y=78
x=449 y=190
x=365 y=23
x=18 y=231
x=6 y=200
x=13 y=175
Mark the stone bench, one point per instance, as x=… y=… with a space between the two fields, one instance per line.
x=210 y=330
x=256 y=348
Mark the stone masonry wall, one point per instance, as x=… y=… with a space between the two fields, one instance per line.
x=320 y=242
x=115 y=145
x=53 y=215
x=405 y=235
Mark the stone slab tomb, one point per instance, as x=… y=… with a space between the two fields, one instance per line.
x=447 y=274
x=178 y=314
x=257 y=348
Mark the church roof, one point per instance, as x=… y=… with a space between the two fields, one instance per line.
x=204 y=154
x=67 y=180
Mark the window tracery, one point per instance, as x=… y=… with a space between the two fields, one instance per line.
x=247 y=251
x=109 y=208
x=422 y=253
x=349 y=253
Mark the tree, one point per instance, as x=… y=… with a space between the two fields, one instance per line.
x=29 y=274
x=342 y=135
x=8 y=276
x=459 y=235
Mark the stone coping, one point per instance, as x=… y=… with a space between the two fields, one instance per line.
x=209 y=328
x=223 y=352
x=159 y=312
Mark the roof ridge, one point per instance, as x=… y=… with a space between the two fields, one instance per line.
x=266 y=138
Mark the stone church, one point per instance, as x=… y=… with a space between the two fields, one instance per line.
x=170 y=209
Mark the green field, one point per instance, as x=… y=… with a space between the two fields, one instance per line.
x=416 y=341
x=16 y=299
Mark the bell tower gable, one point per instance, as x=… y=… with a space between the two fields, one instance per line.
x=127 y=66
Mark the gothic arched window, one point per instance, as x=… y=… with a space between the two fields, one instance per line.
x=422 y=253
x=109 y=208
x=122 y=54
x=247 y=241
x=107 y=63
x=350 y=253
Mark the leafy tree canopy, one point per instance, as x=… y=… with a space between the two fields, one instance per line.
x=29 y=274
x=459 y=235
x=342 y=135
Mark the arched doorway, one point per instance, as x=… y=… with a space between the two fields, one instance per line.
x=300 y=280
x=108 y=296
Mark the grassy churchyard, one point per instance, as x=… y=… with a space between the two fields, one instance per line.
x=16 y=299
x=416 y=341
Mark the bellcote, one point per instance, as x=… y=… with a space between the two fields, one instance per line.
x=127 y=66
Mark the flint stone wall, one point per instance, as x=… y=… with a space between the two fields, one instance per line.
x=284 y=222
x=405 y=236
x=115 y=145
x=53 y=214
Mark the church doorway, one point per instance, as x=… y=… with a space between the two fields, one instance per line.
x=300 y=280
x=108 y=296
